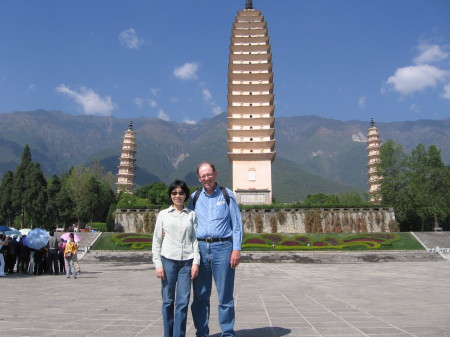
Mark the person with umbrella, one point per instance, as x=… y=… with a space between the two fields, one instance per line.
x=69 y=254
x=24 y=255
x=3 y=245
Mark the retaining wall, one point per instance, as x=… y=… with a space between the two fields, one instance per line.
x=289 y=220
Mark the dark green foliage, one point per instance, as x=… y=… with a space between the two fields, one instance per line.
x=157 y=194
x=7 y=210
x=320 y=199
x=35 y=195
x=417 y=186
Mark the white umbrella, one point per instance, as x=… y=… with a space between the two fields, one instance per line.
x=24 y=231
x=37 y=238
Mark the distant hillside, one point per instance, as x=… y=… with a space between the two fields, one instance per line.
x=313 y=154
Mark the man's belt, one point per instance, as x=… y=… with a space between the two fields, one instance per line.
x=210 y=240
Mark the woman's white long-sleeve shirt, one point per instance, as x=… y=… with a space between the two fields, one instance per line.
x=179 y=241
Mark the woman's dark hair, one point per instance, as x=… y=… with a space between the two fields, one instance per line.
x=181 y=184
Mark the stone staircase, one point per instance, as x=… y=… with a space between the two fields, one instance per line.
x=87 y=240
x=435 y=242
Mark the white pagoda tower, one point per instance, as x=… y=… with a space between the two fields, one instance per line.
x=251 y=108
x=127 y=166
x=373 y=149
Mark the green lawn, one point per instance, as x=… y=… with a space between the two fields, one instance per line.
x=282 y=242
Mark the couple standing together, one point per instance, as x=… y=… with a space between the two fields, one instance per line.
x=198 y=243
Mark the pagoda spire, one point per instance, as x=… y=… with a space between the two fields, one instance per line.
x=249 y=4
x=373 y=149
x=127 y=161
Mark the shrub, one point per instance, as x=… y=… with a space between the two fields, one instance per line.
x=275 y=238
x=255 y=240
x=290 y=243
x=331 y=241
x=301 y=239
x=100 y=226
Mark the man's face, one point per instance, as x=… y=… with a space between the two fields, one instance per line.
x=207 y=177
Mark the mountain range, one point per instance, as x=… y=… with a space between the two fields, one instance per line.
x=313 y=154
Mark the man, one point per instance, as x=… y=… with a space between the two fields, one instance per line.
x=52 y=251
x=219 y=234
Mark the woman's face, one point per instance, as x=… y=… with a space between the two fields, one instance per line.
x=178 y=196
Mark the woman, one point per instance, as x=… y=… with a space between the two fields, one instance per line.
x=69 y=255
x=3 y=245
x=176 y=258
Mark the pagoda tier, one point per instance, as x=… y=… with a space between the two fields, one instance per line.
x=127 y=165
x=373 y=156
x=251 y=133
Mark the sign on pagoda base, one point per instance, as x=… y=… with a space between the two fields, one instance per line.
x=253 y=197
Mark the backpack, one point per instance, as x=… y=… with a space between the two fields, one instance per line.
x=222 y=189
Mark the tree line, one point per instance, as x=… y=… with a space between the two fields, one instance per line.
x=417 y=185
x=28 y=199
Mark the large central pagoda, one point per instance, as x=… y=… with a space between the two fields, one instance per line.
x=251 y=119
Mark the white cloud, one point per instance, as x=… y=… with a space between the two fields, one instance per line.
x=187 y=71
x=216 y=110
x=163 y=115
x=90 y=101
x=430 y=53
x=138 y=101
x=207 y=96
x=152 y=103
x=31 y=87
x=446 y=93
x=414 y=108
x=155 y=91
x=129 y=39
x=407 y=80
x=189 y=121
x=362 y=102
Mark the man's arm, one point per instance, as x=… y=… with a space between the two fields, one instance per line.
x=236 y=223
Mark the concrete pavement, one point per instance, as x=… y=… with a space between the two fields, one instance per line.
x=272 y=299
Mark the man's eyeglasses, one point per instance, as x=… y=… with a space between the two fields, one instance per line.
x=177 y=193
x=205 y=176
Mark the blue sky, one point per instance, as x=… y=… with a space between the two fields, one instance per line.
x=346 y=60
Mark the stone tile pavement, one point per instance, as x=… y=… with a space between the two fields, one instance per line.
x=272 y=299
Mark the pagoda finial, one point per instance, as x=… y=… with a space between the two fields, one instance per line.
x=372 y=123
x=249 y=4
x=130 y=126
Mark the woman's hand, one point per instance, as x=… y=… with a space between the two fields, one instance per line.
x=194 y=271
x=160 y=273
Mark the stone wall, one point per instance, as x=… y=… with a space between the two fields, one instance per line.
x=289 y=220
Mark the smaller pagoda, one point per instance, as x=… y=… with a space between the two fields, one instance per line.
x=373 y=157
x=127 y=166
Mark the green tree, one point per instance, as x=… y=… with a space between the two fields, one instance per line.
x=64 y=203
x=19 y=184
x=395 y=187
x=35 y=194
x=157 y=193
x=89 y=191
x=52 y=209
x=350 y=198
x=320 y=199
x=7 y=210
x=430 y=184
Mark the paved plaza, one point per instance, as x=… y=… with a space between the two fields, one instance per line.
x=272 y=299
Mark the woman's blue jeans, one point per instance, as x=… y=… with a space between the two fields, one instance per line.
x=215 y=263
x=176 y=291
